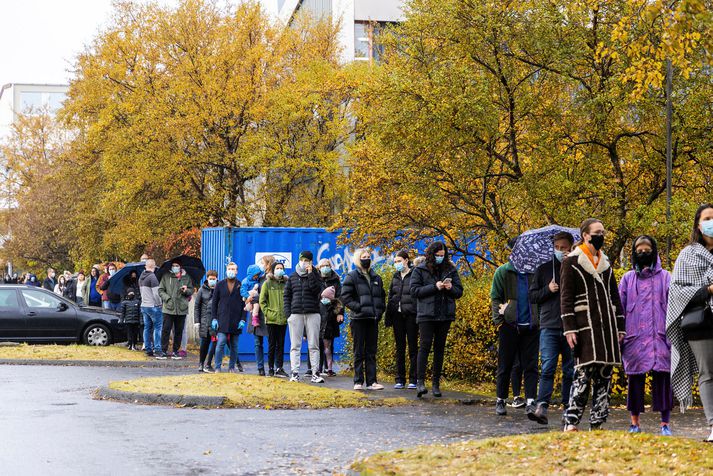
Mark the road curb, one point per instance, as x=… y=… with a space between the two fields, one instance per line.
x=106 y=393
x=166 y=364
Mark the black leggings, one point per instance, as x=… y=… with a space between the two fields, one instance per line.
x=432 y=333
x=131 y=331
x=275 y=346
x=206 y=351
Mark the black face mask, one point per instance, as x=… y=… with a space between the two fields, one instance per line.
x=597 y=241
x=365 y=263
x=645 y=259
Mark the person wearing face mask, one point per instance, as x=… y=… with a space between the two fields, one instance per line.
x=593 y=322
x=95 y=296
x=302 y=294
x=363 y=294
x=644 y=298
x=228 y=317
x=436 y=286
x=202 y=316
x=49 y=283
x=60 y=286
x=174 y=289
x=545 y=293
x=110 y=300
x=80 y=291
x=272 y=303
x=151 y=311
x=689 y=322
x=401 y=315
x=329 y=328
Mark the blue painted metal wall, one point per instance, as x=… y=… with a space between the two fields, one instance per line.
x=245 y=246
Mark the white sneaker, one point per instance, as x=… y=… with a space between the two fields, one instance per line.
x=317 y=379
x=375 y=386
x=358 y=386
x=710 y=437
x=569 y=428
x=295 y=377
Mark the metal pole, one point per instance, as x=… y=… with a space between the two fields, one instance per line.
x=669 y=157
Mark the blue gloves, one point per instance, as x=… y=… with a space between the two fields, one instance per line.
x=241 y=325
x=214 y=324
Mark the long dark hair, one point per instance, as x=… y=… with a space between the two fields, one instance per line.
x=654 y=249
x=584 y=228
x=696 y=235
x=431 y=251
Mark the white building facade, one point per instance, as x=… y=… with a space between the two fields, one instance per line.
x=361 y=21
x=18 y=98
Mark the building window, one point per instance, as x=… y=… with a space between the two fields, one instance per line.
x=55 y=101
x=30 y=102
x=366 y=44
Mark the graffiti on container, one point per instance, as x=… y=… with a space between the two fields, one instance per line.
x=342 y=260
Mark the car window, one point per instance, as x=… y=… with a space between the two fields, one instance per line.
x=8 y=298
x=39 y=299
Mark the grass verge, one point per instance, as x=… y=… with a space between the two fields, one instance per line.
x=252 y=391
x=70 y=352
x=603 y=452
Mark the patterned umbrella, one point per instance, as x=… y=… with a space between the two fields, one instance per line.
x=534 y=247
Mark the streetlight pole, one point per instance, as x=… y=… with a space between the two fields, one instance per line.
x=669 y=156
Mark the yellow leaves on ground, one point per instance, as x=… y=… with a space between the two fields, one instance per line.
x=252 y=391
x=70 y=352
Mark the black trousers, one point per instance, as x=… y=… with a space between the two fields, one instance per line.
x=516 y=376
x=131 y=331
x=206 y=351
x=365 y=334
x=512 y=343
x=177 y=323
x=275 y=346
x=406 y=330
x=432 y=334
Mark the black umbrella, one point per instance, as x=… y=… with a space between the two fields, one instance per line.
x=193 y=266
x=117 y=283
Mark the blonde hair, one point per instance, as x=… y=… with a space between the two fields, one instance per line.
x=356 y=257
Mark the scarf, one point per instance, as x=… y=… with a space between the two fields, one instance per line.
x=692 y=271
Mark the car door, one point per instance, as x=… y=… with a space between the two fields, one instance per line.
x=48 y=316
x=12 y=316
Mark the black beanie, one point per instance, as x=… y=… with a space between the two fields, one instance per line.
x=306 y=255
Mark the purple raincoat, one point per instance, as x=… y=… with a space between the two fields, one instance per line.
x=644 y=297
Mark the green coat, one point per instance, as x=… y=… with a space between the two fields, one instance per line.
x=174 y=301
x=504 y=291
x=272 y=301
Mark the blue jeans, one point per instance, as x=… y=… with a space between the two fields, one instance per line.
x=260 y=352
x=553 y=344
x=114 y=306
x=153 y=321
x=220 y=351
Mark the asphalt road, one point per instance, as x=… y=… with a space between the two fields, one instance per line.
x=50 y=424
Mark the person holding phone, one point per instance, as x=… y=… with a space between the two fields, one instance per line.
x=593 y=322
x=436 y=285
x=175 y=290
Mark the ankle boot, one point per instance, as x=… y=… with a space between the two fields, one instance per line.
x=436 y=388
x=421 y=389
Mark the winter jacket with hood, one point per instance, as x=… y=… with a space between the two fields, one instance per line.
x=272 y=300
x=644 y=299
x=432 y=304
x=202 y=312
x=363 y=293
x=400 y=299
x=175 y=301
x=548 y=303
x=131 y=311
x=504 y=290
x=302 y=292
x=148 y=284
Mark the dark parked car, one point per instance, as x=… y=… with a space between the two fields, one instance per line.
x=29 y=314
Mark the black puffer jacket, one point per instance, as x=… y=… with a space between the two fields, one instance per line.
x=365 y=298
x=302 y=294
x=202 y=312
x=131 y=311
x=432 y=304
x=400 y=293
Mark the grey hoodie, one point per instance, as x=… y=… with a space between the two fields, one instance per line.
x=148 y=284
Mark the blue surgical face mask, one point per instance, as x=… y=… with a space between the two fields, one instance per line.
x=325 y=270
x=112 y=272
x=559 y=255
x=279 y=272
x=175 y=270
x=212 y=282
x=230 y=274
x=707 y=228
x=399 y=266
x=262 y=267
x=439 y=259
x=326 y=301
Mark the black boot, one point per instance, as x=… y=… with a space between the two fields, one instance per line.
x=436 y=388
x=421 y=389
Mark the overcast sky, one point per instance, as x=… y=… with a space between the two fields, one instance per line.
x=40 y=38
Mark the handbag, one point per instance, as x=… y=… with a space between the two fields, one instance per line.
x=695 y=318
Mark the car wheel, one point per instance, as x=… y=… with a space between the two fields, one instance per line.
x=97 y=334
